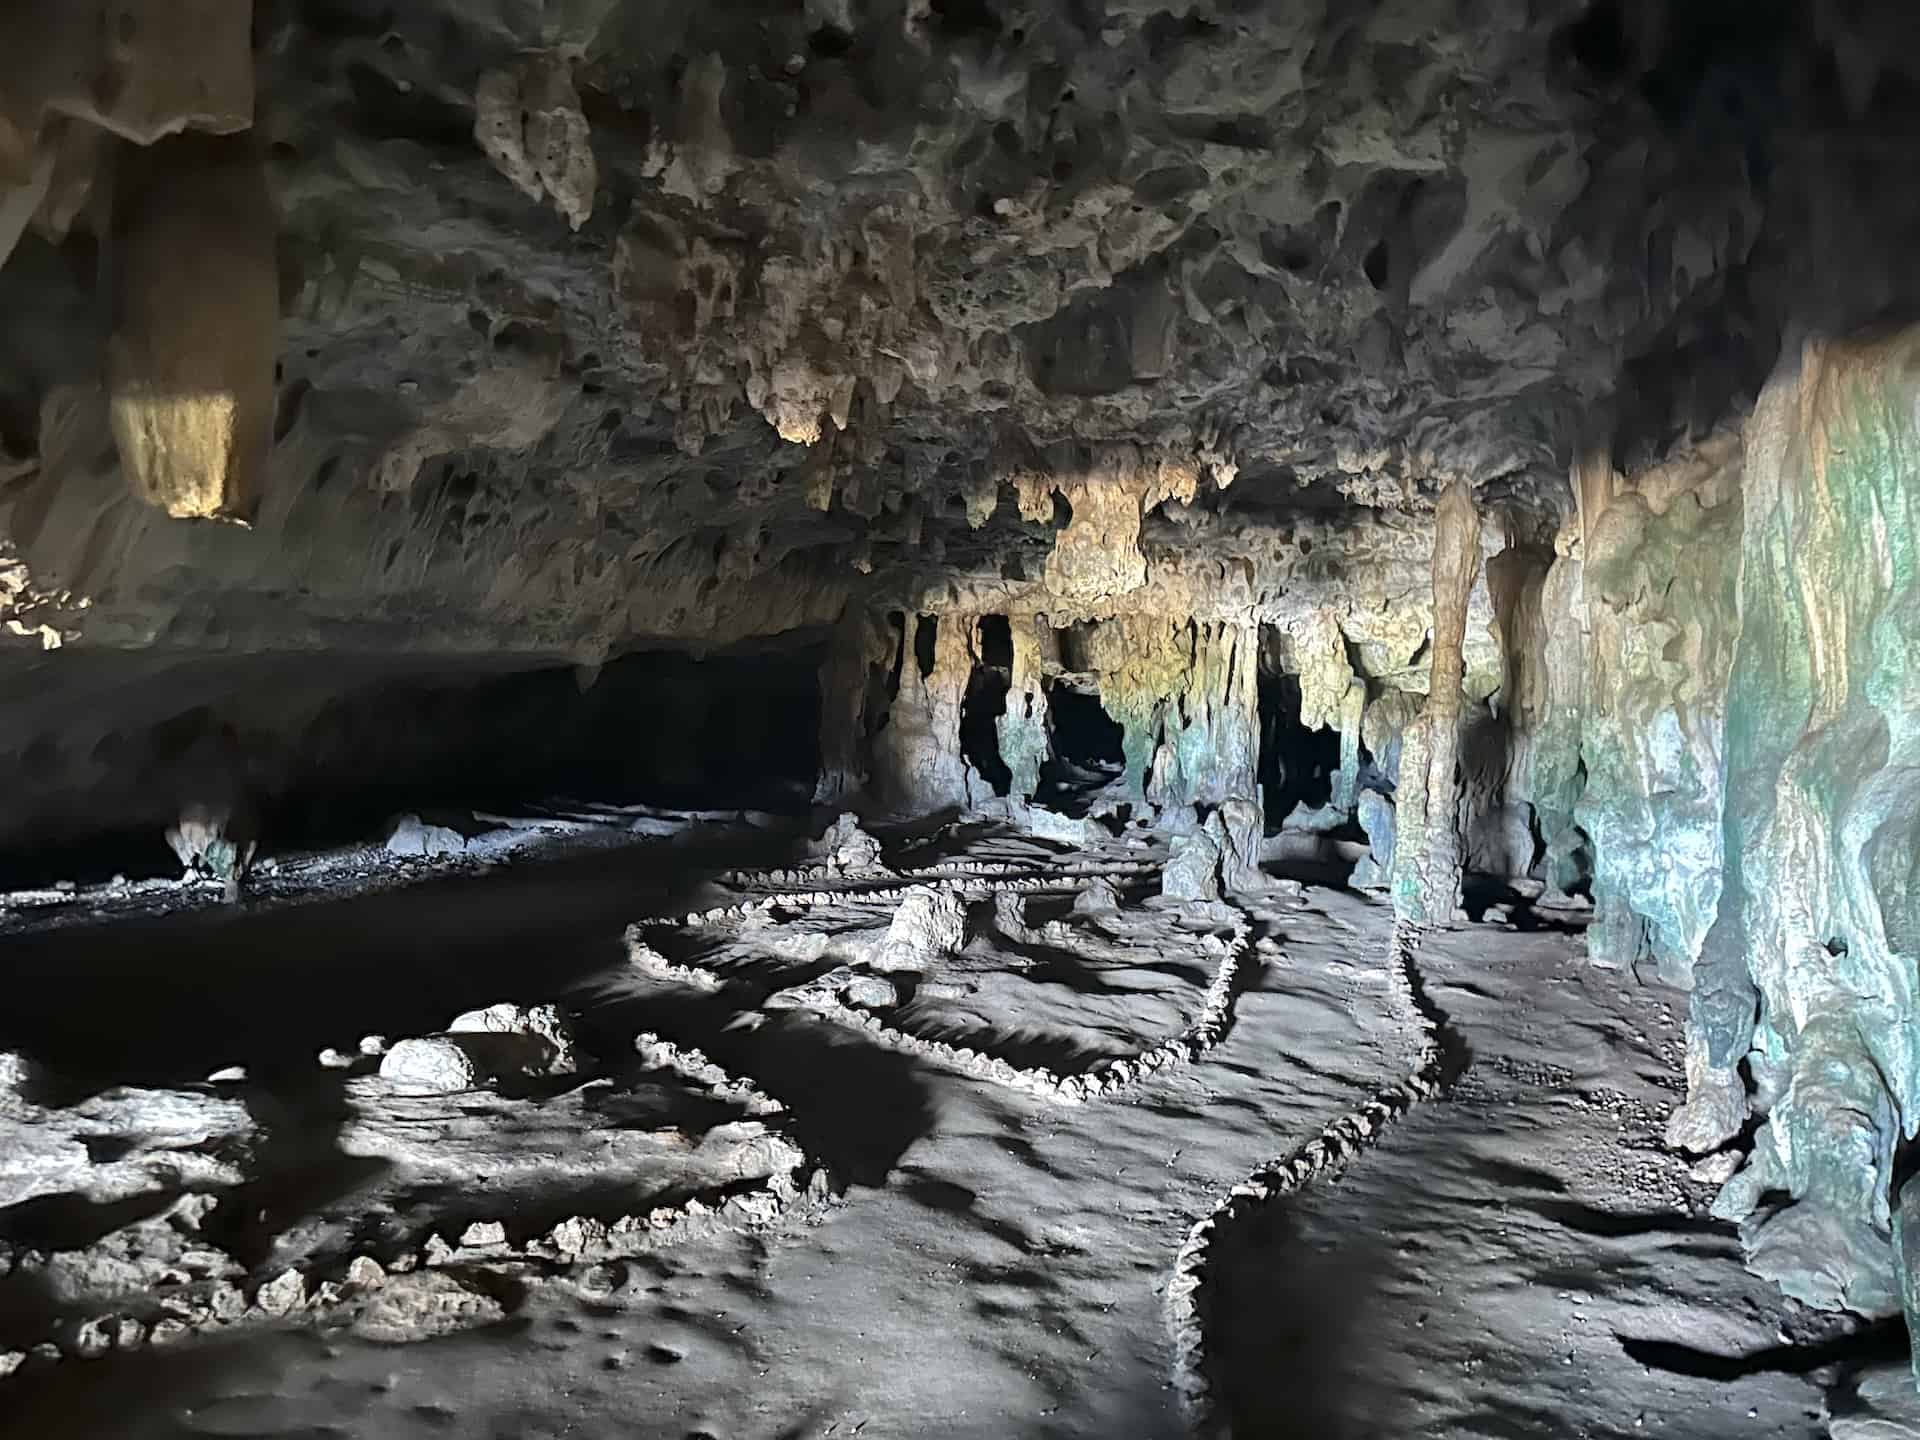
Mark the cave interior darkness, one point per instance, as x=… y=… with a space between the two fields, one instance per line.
x=964 y=718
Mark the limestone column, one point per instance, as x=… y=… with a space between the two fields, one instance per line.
x=1426 y=880
x=1023 y=730
x=1346 y=784
x=917 y=760
x=855 y=646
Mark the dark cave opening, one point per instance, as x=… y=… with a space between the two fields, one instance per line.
x=340 y=756
x=1085 y=751
x=1297 y=765
x=986 y=701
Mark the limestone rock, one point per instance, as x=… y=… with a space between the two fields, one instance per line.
x=528 y=123
x=871 y=992
x=928 y=925
x=1376 y=815
x=1022 y=728
x=413 y=838
x=141 y=69
x=120 y=1143
x=424 y=1305
x=1716 y=1106
x=1236 y=828
x=848 y=850
x=1045 y=824
x=1097 y=897
x=1427 y=858
x=545 y=1024
x=433 y=1065
x=210 y=842
x=918 y=763
x=1883 y=1405
x=1186 y=697
x=1193 y=869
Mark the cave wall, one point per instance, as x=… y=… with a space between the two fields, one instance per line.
x=99 y=753
x=1660 y=564
x=1822 y=817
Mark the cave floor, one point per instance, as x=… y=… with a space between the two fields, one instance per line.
x=1518 y=1259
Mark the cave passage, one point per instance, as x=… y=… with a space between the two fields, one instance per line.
x=346 y=752
x=986 y=702
x=1086 y=750
x=1297 y=765
x=726 y=704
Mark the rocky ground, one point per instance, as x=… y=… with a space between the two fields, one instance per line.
x=1521 y=1258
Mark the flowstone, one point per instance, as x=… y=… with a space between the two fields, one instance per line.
x=1375 y=870
x=1817 y=909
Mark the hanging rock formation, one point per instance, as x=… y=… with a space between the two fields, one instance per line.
x=196 y=326
x=1332 y=697
x=1185 y=696
x=857 y=656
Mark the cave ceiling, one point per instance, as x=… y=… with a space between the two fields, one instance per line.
x=604 y=319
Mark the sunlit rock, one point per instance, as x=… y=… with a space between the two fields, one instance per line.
x=196 y=326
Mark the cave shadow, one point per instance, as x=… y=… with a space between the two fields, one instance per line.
x=140 y=1392
x=1027 y=1046
x=1482 y=892
x=854 y=1106
x=1288 y=1323
x=166 y=1000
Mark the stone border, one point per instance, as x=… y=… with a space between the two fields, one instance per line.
x=1435 y=1069
x=1200 y=1035
x=945 y=870
x=298 y=1295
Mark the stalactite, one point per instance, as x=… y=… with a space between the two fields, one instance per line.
x=196 y=325
x=1427 y=857
x=1501 y=819
x=1331 y=695
x=1186 y=696
x=1353 y=715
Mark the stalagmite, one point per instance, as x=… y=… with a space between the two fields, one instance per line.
x=918 y=764
x=1427 y=854
x=196 y=325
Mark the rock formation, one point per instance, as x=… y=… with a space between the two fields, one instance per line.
x=1427 y=860
x=1485 y=431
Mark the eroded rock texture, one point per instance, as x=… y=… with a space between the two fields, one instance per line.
x=1821 y=803
x=1081 y=415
